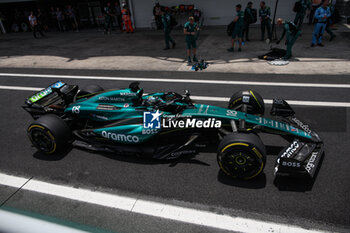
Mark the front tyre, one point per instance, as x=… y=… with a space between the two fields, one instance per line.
x=241 y=155
x=49 y=134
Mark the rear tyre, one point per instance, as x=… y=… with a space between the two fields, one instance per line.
x=49 y=134
x=241 y=155
x=252 y=99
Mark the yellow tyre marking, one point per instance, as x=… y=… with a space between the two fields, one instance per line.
x=234 y=144
x=54 y=142
x=261 y=167
x=38 y=126
x=50 y=135
x=254 y=150
x=262 y=164
x=257 y=152
x=255 y=98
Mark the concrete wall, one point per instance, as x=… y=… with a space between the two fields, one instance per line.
x=216 y=12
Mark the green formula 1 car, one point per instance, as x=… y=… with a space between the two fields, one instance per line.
x=169 y=125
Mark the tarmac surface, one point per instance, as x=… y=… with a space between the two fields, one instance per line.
x=191 y=182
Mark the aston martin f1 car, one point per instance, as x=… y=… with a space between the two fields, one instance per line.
x=169 y=125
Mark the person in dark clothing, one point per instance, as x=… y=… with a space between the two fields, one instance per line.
x=330 y=22
x=108 y=18
x=33 y=22
x=157 y=16
x=299 y=17
x=71 y=18
x=60 y=19
x=53 y=19
x=196 y=15
x=238 y=30
x=118 y=15
x=248 y=19
x=166 y=20
x=190 y=30
x=42 y=22
x=264 y=14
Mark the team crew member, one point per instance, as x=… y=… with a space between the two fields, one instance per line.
x=190 y=30
x=238 y=30
x=300 y=15
x=118 y=15
x=293 y=32
x=330 y=22
x=108 y=18
x=34 y=24
x=264 y=14
x=322 y=14
x=248 y=19
x=127 y=20
x=166 y=20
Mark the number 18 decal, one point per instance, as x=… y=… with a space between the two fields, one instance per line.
x=76 y=109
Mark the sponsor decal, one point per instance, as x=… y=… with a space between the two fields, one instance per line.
x=149 y=131
x=111 y=99
x=231 y=113
x=291 y=149
x=76 y=109
x=192 y=123
x=302 y=125
x=310 y=165
x=120 y=137
x=246 y=99
x=126 y=105
x=128 y=94
x=45 y=92
x=291 y=164
x=151 y=120
x=183 y=152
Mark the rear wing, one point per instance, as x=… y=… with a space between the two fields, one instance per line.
x=53 y=99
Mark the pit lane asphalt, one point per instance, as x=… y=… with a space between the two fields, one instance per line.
x=196 y=180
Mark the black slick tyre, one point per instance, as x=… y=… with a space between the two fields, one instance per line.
x=49 y=134
x=241 y=155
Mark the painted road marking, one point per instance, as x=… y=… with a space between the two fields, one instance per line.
x=216 y=99
x=151 y=208
x=226 y=82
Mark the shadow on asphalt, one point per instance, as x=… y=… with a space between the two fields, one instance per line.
x=258 y=182
x=139 y=159
x=41 y=156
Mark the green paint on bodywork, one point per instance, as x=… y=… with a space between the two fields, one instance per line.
x=119 y=105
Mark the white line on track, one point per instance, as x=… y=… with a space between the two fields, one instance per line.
x=150 y=208
x=226 y=82
x=216 y=99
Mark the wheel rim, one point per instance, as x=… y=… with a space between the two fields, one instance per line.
x=240 y=162
x=42 y=139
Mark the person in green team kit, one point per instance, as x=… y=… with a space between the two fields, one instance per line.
x=304 y=5
x=190 y=30
x=239 y=28
x=264 y=14
x=292 y=31
x=166 y=20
